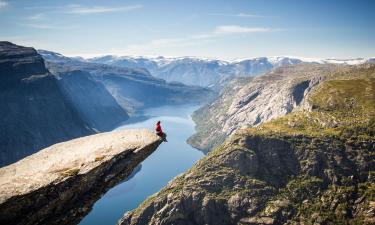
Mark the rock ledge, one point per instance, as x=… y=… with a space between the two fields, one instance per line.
x=59 y=184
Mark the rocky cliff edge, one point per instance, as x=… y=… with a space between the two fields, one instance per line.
x=59 y=184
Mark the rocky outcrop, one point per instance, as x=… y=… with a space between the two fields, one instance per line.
x=266 y=180
x=59 y=184
x=307 y=167
x=250 y=102
x=33 y=110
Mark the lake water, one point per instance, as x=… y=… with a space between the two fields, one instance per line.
x=169 y=160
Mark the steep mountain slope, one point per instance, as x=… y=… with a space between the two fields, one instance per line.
x=33 y=110
x=92 y=100
x=250 y=103
x=196 y=71
x=314 y=166
x=132 y=88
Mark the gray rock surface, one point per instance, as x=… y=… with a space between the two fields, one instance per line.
x=296 y=169
x=33 y=110
x=59 y=184
x=249 y=102
x=264 y=181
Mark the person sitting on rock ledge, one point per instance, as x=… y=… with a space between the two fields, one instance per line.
x=160 y=132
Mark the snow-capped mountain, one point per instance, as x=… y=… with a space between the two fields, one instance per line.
x=355 y=61
x=197 y=71
x=211 y=72
x=133 y=89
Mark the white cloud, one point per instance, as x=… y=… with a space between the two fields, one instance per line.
x=82 y=10
x=52 y=7
x=73 y=5
x=38 y=16
x=48 y=26
x=100 y=9
x=240 y=15
x=195 y=39
x=247 y=15
x=41 y=7
x=3 y=4
x=234 y=29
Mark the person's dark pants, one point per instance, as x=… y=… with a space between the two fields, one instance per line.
x=163 y=136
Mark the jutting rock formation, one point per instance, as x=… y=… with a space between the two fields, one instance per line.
x=59 y=184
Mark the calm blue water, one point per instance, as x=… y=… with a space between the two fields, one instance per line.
x=170 y=159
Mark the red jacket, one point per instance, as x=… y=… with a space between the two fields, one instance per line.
x=158 y=129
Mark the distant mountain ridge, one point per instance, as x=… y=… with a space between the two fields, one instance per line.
x=133 y=88
x=204 y=72
x=197 y=71
x=207 y=72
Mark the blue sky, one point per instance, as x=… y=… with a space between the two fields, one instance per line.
x=205 y=28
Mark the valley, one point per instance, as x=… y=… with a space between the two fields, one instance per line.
x=284 y=142
x=187 y=112
x=169 y=160
x=44 y=103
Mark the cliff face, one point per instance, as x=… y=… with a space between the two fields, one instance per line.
x=92 y=100
x=312 y=166
x=249 y=102
x=59 y=184
x=144 y=94
x=33 y=110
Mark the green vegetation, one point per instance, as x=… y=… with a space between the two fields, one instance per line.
x=335 y=204
x=68 y=172
x=99 y=158
x=330 y=145
x=341 y=108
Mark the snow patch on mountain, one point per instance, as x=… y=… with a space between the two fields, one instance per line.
x=211 y=72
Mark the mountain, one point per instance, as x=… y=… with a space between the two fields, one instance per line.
x=252 y=101
x=34 y=112
x=92 y=100
x=214 y=73
x=197 y=71
x=133 y=89
x=311 y=166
